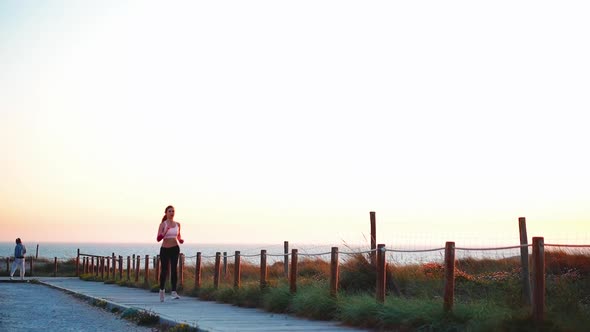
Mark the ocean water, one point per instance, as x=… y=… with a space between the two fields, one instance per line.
x=248 y=252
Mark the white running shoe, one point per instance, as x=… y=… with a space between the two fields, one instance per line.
x=175 y=295
x=162 y=295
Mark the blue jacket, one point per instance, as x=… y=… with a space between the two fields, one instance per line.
x=20 y=251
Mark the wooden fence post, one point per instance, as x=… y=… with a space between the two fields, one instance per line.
x=524 y=262
x=263 y=269
x=92 y=265
x=198 y=272
x=373 y=254
x=137 y=264
x=539 y=279
x=128 y=268
x=334 y=272
x=31 y=266
x=237 y=269
x=7 y=264
x=381 y=275
x=55 y=266
x=147 y=270
x=181 y=267
x=120 y=267
x=293 y=275
x=108 y=269
x=102 y=259
x=78 y=263
x=224 y=265
x=449 y=292
x=114 y=266
x=286 y=258
x=157 y=265
x=217 y=270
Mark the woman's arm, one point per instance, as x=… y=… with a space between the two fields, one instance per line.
x=161 y=232
x=179 y=237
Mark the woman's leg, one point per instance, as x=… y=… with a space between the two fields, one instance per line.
x=13 y=267
x=174 y=253
x=164 y=259
x=22 y=268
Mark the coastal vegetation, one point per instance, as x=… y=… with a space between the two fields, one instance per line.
x=488 y=295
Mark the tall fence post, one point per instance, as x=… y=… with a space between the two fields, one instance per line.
x=120 y=267
x=78 y=263
x=102 y=259
x=449 y=295
x=286 y=258
x=217 y=270
x=181 y=268
x=539 y=279
x=108 y=267
x=7 y=264
x=137 y=264
x=147 y=270
x=334 y=272
x=224 y=264
x=157 y=268
x=237 y=269
x=31 y=266
x=373 y=254
x=263 y=269
x=293 y=275
x=198 y=271
x=114 y=266
x=381 y=273
x=524 y=262
x=55 y=266
x=128 y=268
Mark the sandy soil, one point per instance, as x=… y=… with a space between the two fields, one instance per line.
x=33 y=307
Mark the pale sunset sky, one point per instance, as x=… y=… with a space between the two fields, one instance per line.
x=266 y=121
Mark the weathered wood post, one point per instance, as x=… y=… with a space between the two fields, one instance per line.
x=7 y=264
x=373 y=237
x=293 y=275
x=108 y=267
x=198 y=271
x=449 y=293
x=381 y=275
x=114 y=266
x=224 y=265
x=128 y=268
x=263 y=269
x=120 y=267
x=157 y=267
x=92 y=265
x=102 y=259
x=181 y=268
x=31 y=266
x=137 y=264
x=524 y=262
x=538 y=279
x=286 y=258
x=78 y=263
x=334 y=272
x=237 y=269
x=217 y=270
x=55 y=266
x=146 y=279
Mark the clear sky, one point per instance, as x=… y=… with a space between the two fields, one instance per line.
x=266 y=121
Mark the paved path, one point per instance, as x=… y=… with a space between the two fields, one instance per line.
x=37 y=308
x=205 y=315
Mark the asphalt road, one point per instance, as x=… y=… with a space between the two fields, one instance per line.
x=33 y=307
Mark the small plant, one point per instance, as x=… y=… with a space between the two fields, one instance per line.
x=100 y=303
x=182 y=328
x=141 y=317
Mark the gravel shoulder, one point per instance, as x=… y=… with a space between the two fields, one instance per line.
x=34 y=307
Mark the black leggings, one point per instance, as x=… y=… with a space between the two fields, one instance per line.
x=169 y=255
